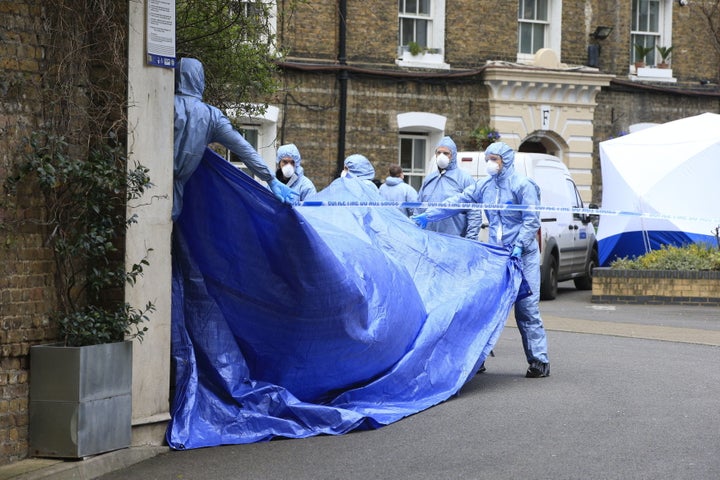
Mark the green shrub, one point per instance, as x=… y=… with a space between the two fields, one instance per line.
x=689 y=257
x=85 y=213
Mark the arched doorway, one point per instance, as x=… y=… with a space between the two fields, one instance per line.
x=532 y=147
x=543 y=142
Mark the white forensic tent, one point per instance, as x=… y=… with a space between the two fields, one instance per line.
x=673 y=170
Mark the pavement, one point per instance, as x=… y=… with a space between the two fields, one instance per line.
x=634 y=393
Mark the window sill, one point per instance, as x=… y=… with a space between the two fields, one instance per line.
x=652 y=74
x=423 y=60
x=525 y=58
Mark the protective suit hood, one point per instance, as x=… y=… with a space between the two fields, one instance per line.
x=506 y=153
x=289 y=150
x=449 y=143
x=359 y=166
x=392 y=181
x=439 y=186
x=502 y=149
x=190 y=78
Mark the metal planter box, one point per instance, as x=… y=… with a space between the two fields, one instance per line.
x=80 y=399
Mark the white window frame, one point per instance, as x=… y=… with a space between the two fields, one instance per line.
x=416 y=17
x=553 y=31
x=230 y=157
x=266 y=126
x=415 y=172
x=662 y=37
x=272 y=14
x=433 y=55
x=420 y=125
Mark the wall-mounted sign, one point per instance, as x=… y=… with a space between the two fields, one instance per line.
x=545 y=117
x=160 y=33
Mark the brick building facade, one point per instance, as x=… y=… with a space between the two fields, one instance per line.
x=25 y=265
x=482 y=78
x=472 y=72
x=46 y=87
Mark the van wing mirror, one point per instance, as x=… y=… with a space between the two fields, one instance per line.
x=593 y=217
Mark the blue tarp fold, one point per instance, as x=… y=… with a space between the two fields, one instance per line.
x=299 y=321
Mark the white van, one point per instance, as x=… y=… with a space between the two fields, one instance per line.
x=568 y=247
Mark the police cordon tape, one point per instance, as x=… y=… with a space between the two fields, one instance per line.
x=508 y=206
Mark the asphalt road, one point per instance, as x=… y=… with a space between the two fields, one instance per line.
x=634 y=393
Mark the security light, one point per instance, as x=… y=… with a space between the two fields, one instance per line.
x=601 y=33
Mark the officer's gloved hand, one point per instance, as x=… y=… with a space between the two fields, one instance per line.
x=420 y=220
x=282 y=192
x=517 y=252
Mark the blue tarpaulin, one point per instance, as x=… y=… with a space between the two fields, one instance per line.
x=299 y=321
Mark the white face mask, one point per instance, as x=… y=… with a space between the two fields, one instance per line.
x=492 y=168
x=442 y=160
x=288 y=170
x=343 y=173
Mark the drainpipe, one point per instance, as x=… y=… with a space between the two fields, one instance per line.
x=342 y=85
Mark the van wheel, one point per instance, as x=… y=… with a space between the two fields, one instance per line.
x=585 y=282
x=549 y=283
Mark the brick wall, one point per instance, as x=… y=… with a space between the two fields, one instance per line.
x=311 y=117
x=310 y=30
x=52 y=80
x=694 y=57
x=475 y=32
x=480 y=31
x=656 y=287
x=26 y=287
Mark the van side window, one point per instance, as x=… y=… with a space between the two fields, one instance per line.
x=575 y=196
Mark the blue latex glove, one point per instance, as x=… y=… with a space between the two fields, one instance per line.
x=420 y=220
x=517 y=252
x=282 y=192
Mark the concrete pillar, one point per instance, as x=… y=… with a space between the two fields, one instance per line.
x=150 y=142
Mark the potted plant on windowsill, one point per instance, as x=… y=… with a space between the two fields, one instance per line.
x=414 y=53
x=641 y=52
x=414 y=48
x=80 y=388
x=665 y=53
